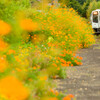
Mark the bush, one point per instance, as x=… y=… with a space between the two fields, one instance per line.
x=37 y=47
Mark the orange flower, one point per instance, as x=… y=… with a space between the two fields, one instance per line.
x=71 y=95
x=67 y=65
x=34 y=67
x=28 y=25
x=3 y=45
x=42 y=78
x=17 y=59
x=63 y=61
x=77 y=57
x=18 y=69
x=11 y=52
x=75 y=61
x=80 y=63
x=56 y=93
x=54 y=64
x=4 y=28
x=63 y=55
x=81 y=58
x=64 y=65
x=72 y=65
x=13 y=89
x=3 y=64
x=67 y=98
x=57 y=61
x=72 y=58
x=58 y=68
x=51 y=90
x=68 y=62
x=70 y=52
x=58 y=58
x=74 y=54
x=49 y=44
x=63 y=43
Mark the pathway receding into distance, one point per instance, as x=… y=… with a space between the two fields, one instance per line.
x=84 y=81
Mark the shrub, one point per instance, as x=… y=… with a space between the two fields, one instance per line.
x=38 y=46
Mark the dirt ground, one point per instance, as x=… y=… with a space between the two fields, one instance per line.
x=84 y=81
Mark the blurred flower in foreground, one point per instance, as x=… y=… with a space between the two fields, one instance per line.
x=3 y=45
x=11 y=52
x=28 y=25
x=4 y=28
x=13 y=89
x=3 y=64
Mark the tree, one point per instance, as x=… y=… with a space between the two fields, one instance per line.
x=81 y=1
x=72 y=4
x=85 y=7
x=93 y=6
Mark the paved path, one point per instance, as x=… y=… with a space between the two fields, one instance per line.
x=84 y=81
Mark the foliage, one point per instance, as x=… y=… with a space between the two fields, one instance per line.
x=72 y=4
x=80 y=6
x=93 y=6
x=85 y=7
x=81 y=1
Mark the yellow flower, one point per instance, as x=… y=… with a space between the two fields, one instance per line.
x=13 y=89
x=4 y=28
